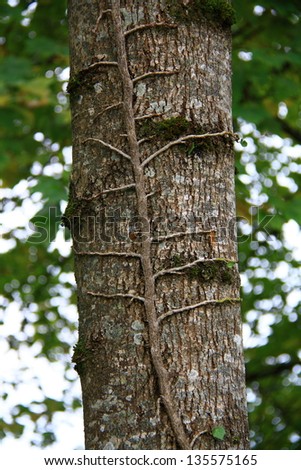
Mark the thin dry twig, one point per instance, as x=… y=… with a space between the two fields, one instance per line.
x=158 y=409
x=174 y=311
x=120 y=188
x=108 y=108
x=179 y=234
x=116 y=296
x=111 y=147
x=196 y=437
x=108 y=191
x=148 y=116
x=100 y=18
x=102 y=62
x=150 y=25
x=151 y=74
x=108 y=253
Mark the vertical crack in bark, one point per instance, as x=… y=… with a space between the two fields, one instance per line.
x=149 y=281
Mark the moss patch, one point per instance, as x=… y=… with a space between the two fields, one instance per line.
x=203 y=147
x=205 y=272
x=219 y=270
x=76 y=83
x=81 y=353
x=73 y=209
x=84 y=79
x=226 y=275
x=166 y=129
x=216 y=11
x=176 y=261
x=80 y=350
x=70 y=211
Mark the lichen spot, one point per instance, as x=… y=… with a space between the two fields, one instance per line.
x=237 y=339
x=97 y=405
x=109 y=446
x=98 y=87
x=138 y=339
x=196 y=103
x=137 y=325
x=141 y=89
x=193 y=375
x=150 y=172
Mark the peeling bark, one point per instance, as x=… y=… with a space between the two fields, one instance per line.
x=160 y=356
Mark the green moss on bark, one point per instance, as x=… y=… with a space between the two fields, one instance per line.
x=83 y=80
x=177 y=261
x=218 y=12
x=166 y=129
x=73 y=209
x=218 y=270
x=173 y=128
x=81 y=353
x=204 y=272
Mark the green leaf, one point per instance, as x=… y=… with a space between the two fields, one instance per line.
x=230 y=264
x=191 y=148
x=219 y=433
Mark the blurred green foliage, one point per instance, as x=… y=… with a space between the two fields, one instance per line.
x=266 y=92
x=34 y=141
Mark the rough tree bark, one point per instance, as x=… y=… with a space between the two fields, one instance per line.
x=152 y=215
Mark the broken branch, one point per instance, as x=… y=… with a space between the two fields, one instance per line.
x=145 y=139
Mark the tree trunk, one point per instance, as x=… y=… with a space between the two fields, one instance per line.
x=152 y=215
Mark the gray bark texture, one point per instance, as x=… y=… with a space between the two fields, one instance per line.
x=152 y=214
